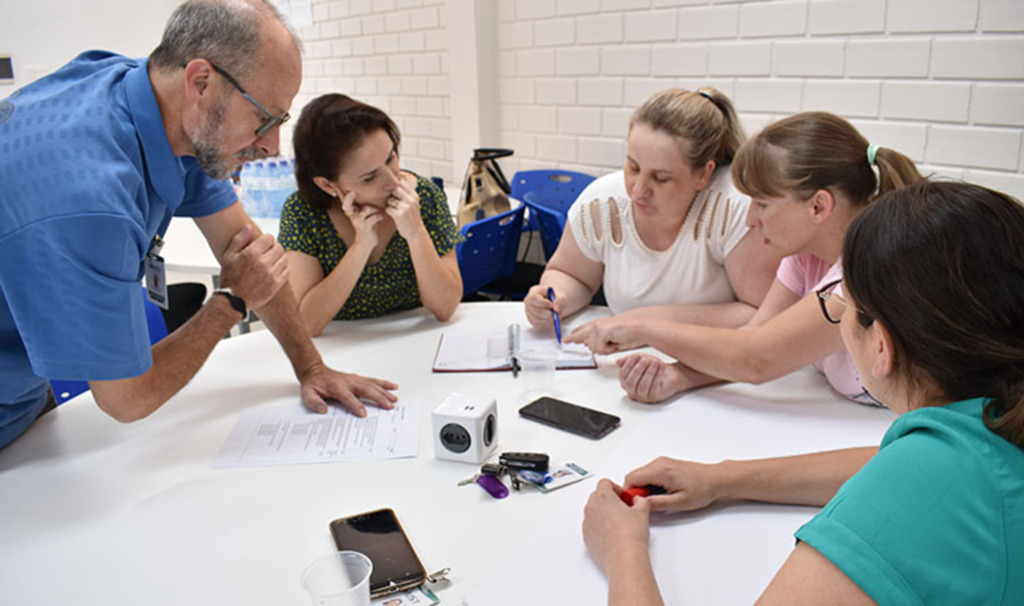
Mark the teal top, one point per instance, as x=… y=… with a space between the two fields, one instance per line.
x=387 y=286
x=937 y=517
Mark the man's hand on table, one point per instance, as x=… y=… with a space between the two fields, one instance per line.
x=320 y=384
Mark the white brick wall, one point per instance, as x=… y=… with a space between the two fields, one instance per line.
x=940 y=80
x=973 y=146
x=578 y=61
x=1001 y=16
x=768 y=95
x=934 y=101
x=998 y=104
x=848 y=16
x=803 y=58
x=652 y=26
x=995 y=57
x=708 y=23
x=600 y=29
x=888 y=58
x=679 y=60
x=773 y=19
x=392 y=54
x=941 y=16
x=740 y=59
x=849 y=98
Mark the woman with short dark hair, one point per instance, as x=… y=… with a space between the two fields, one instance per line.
x=363 y=237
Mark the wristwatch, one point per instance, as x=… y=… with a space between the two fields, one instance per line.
x=236 y=302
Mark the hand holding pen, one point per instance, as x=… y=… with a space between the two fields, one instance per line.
x=538 y=306
x=554 y=315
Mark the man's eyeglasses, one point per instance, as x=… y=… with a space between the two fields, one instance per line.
x=827 y=297
x=270 y=121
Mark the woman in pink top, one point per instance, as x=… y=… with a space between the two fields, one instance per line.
x=809 y=175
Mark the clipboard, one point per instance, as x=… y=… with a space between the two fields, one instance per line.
x=498 y=350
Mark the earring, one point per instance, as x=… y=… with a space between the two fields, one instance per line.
x=334 y=194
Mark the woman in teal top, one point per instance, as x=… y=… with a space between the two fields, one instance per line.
x=363 y=237
x=933 y=317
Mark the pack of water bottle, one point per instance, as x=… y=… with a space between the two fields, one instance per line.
x=266 y=184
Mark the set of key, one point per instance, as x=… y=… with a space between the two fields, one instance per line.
x=521 y=467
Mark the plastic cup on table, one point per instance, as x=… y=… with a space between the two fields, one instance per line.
x=339 y=579
x=538 y=370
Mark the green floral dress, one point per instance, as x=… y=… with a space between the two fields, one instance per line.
x=387 y=286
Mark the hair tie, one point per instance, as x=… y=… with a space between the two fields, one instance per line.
x=712 y=100
x=872 y=151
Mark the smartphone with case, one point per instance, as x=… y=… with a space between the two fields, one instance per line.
x=396 y=567
x=570 y=417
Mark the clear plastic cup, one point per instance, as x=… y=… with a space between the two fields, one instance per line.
x=339 y=579
x=537 y=367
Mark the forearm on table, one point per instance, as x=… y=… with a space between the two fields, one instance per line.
x=696 y=379
x=439 y=282
x=176 y=359
x=318 y=306
x=631 y=580
x=809 y=479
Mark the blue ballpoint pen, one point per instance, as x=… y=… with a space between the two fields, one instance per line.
x=554 y=314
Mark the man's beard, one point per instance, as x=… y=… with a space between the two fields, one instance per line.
x=206 y=145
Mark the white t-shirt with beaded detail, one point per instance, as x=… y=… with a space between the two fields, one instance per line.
x=690 y=271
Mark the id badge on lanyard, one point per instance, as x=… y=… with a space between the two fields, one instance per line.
x=156 y=278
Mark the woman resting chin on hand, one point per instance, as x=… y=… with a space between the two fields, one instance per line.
x=363 y=237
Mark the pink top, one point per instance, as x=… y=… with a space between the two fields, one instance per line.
x=805 y=274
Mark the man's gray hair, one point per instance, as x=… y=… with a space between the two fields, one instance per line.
x=224 y=32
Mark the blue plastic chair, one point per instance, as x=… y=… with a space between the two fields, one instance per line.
x=489 y=251
x=549 y=194
x=64 y=390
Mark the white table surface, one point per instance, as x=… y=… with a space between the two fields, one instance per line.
x=96 y=512
x=186 y=250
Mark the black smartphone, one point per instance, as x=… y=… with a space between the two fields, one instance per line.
x=396 y=567
x=570 y=417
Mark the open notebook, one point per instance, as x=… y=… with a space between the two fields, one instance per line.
x=470 y=352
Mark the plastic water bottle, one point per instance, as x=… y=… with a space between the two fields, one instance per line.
x=247 y=187
x=254 y=188
x=264 y=201
x=273 y=189
x=290 y=184
x=282 y=185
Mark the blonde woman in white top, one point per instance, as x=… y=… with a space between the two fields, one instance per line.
x=666 y=235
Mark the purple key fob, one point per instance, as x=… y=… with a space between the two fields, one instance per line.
x=493 y=486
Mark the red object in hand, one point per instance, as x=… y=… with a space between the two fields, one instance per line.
x=629 y=494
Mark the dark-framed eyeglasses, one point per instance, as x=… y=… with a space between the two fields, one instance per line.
x=270 y=121
x=827 y=297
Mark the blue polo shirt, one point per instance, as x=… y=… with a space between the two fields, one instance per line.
x=87 y=178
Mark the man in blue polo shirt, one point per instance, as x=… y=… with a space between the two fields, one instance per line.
x=95 y=159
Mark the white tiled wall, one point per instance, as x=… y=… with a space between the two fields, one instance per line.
x=392 y=54
x=940 y=80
